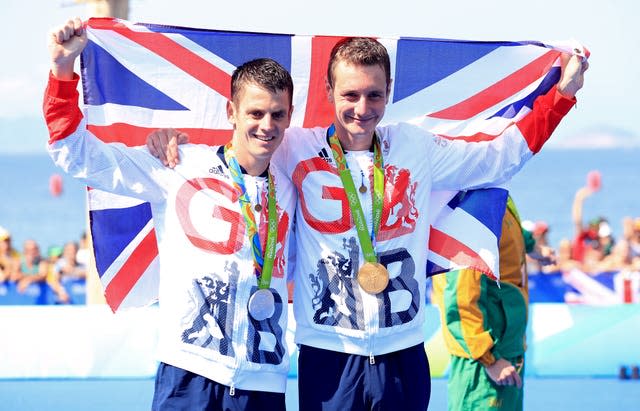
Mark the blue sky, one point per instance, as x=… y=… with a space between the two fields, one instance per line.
x=609 y=29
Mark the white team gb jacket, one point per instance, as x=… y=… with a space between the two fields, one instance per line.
x=206 y=262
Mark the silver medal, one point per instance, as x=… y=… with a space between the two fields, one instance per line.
x=262 y=305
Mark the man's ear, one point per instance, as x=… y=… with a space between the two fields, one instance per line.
x=329 y=91
x=231 y=113
x=290 y=115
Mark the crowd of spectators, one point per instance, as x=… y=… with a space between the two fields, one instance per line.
x=29 y=266
x=594 y=249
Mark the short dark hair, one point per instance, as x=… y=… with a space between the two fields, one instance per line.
x=264 y=72
x=361 y=51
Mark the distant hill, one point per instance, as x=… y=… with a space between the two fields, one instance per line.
x=598 y=137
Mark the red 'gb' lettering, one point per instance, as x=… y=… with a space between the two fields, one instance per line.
x=184 y=197
x=399 y=214
x=301 y=172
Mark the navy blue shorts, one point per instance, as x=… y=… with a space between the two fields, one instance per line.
x=177 y=389
x=329 y=380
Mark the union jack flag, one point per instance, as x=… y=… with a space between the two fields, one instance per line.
x=140 y=77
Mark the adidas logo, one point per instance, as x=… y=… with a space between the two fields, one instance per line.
x=217 y=170
x=323 y=154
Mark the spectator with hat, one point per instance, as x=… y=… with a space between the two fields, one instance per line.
x=540 y=256
x=540 y=231
x=67 y=268
x=606 y=241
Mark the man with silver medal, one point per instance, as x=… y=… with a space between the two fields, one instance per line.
x=211 y=324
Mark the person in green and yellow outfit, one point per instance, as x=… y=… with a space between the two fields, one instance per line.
x=484 y=324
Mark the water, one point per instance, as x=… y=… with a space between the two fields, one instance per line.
x=29 y=210
x=543 y=190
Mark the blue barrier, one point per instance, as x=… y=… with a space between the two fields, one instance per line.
x=34 y=294
x=77 y=290
x=41 y=293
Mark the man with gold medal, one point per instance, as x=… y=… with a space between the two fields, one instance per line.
x=360 y=279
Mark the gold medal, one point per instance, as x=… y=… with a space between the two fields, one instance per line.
x=373 y=277
x=362 y=188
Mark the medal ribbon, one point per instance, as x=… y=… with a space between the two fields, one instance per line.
x=263 y=264
x=367 y=241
